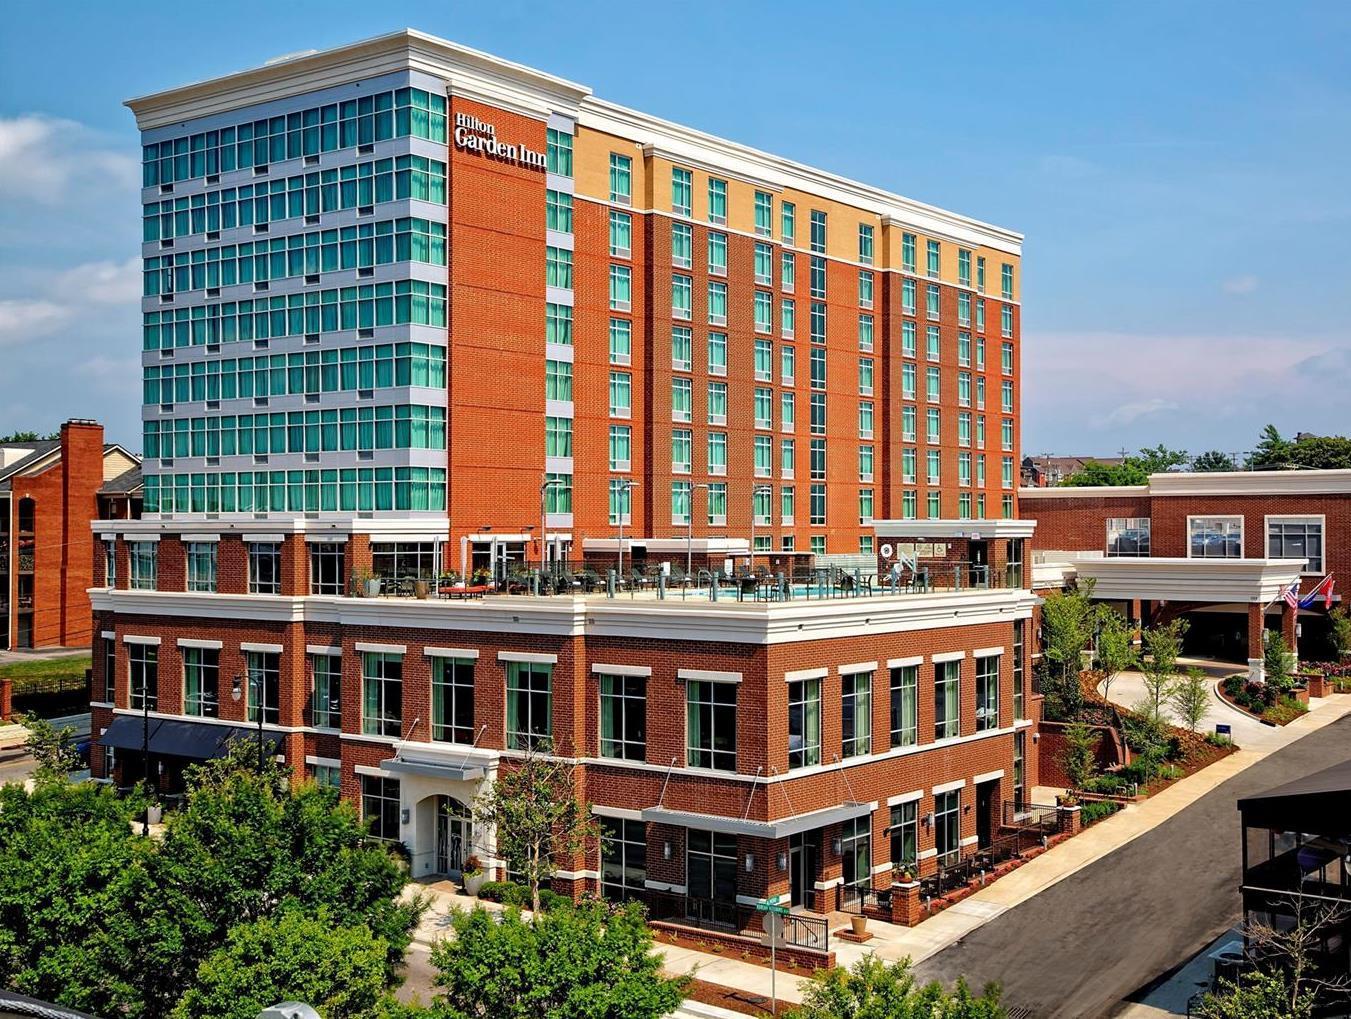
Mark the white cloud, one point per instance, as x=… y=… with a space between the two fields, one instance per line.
x=103 y=282
x=1244 y=284
x=22 y=320
x=51 y=161
x=1128 y=413
x=90 y=295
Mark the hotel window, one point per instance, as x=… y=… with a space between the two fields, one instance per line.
x=980 y=392
x=908 y=252
x=907 y=381
x=1006 y=281
x=143 y=556
x=621 y=234
x=621 y=288
x=865 y=419
x=717 y=403
x=325 y=700
x=865 y=506
x=558 y=493
x=1296 y=538
x=682 y=348
x=381 y=693
x=764 y=214
x=964 y=267
x=682 y=296
x=816 y=325
x=201 y=673
x=558 y=211
x=865 y=463
x=787 y=457
x=1005 y=435
x=788 y=222
x=818 y=459
x=710 y=867
x=264 y=567
x=788 y=271
x=1005 y=321
x=816 y=270
x=621 y=447
x=909 y=458
x=865 y=288
x=931 y=266
x=865 y=244
x=717 y=253
x=682 y=245
x=856 y=714
x=558 y=380
x=621 y=179
x=1128 y=536
x=558 y=267
x=681 y=452
x=710 y=725
x=964 y=349
x=816 y=363
x=856 y=854
x=762 y=502
x=787 y=498
x=1019 y=664
x=931 y=343
x=987 y=692
x=621 y=395
x=904 y=831
x=947 y=826
x=980 y=352
x=963 y=309
x=817 y=544
x=559 y=152
x=380 y=802
x=764 y=361
x=328 y=560
x=980 y=273
x=817 y=507
x=201 y=565
x=964 y=506
x=980 y=315
x=529 y=705
x=717 y=453
x=904 y=705
x=865 y=332
x=931 y=298
x=908 y=339
x=717 y=200
x=764 y=407
x=623 y=717
x=1006 y=472
x=453 y=700
x=980 y=473
x=818 y=231
x=1215 y=537
x=964 y=469
x=682 y=400
x=908 y=296
x=934 y=466
x=933 y=425
x=1006 y=358
x=787 y=364
x=964 y=428
x=717 y=504
x=909 y=505
x=1007 y=507
x=717 y=304
x=682 y=192
x=557 y=436
x=764 y=311
x=621 y=341
x=1006 y=397
x=558 y=324
x=717 y=353
x=964 y=389
x=804 y=723
x=865 y=376
x=764 y=264
x=680 y=502
x=764 y=456
x=947 y=699
x=143 y=677
x=932 y=384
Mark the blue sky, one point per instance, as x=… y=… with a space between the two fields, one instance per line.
x=1180 y=170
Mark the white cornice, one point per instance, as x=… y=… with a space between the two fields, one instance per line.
x=1082 y=492
x=1158 y=578
x=939 y=530
x=1218 y=483
x=388 y=528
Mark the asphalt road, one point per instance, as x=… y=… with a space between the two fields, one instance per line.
x=15 y=765
x=1087 y=944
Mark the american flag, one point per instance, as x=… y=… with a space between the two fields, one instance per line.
x=1291 y=595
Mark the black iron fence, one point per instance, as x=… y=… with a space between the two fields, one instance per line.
x=800 y=929
x=51 y=696
x=1026 y=826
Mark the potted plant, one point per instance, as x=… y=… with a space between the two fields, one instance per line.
x=154 y=812
x=420 y=588
x=482 y=576
x=858 y=924
x=473 y=875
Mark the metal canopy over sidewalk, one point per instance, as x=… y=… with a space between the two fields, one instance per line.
x=780 y=829
x=1156 y=578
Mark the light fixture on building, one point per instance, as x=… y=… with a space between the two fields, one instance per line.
x=405 y=815
x=750 y=863
x=929 y=820
x=835 y=845
x=782 y=861
x=666 y=850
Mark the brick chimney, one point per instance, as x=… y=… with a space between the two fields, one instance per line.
x=82 y=475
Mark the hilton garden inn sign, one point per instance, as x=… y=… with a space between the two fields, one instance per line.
x=475 y=135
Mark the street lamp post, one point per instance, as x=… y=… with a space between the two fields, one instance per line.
x=145 y=747
x=689 y=531
x=756 y=490
x=625 y=487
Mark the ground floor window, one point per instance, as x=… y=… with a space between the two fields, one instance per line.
x=623 y=858
x=904 y=837
x=1019 y=769
x=328 y=776
x=856 y=851
x=710 y=867
x=143 y=673
x=201 y=668
x=947 y=826
x=264 y=668
x=380 y=806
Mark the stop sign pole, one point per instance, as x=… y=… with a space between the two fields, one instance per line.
x=773 y=926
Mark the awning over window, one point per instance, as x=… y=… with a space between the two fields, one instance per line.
x=464 y=772
x=172 y=737
x=128 y=732
x=780 y=829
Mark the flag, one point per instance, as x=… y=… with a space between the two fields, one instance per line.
x=1290 y=594
x=1323 y=590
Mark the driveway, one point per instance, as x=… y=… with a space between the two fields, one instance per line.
x=1087 y=943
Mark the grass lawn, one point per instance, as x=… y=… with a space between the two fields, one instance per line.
x=45 y=673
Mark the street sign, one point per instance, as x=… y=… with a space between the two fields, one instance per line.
x=769 y=906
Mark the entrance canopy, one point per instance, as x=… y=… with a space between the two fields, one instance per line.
x=780 y=829
x=1156 y=578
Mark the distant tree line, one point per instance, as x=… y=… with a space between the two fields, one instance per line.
x=27 y=437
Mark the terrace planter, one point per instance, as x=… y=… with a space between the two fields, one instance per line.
x=858 y=925
x=372 y=588
x=473 y=882
x=420 y=588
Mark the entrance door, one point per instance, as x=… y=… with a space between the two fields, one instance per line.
x=452 y=835
x=985 y=807
x=802 y=854
x=980 y=563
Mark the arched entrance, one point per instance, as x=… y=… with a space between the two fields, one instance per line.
x=454 y=834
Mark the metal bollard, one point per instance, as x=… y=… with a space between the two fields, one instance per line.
x=610 y=583
x=661 y=587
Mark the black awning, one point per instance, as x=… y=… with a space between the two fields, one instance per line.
x=204 y=741
x=128 y=732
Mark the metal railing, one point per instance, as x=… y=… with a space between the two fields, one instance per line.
x=1026 y=826
x=800 y=929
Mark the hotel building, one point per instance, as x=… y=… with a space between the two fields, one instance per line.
x=410 y=310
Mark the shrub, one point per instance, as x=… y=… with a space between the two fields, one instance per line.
x=1216 y=739
x=506 y=892
x=1079 y=759
x=549 y=899
x=1287 y=709
x=1091 y=813
x=1107 y=785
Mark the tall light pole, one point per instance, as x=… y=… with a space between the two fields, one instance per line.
x=625 y=487
x=145 y=746
x=756 y=490
x=543 y=518
x=689 y=532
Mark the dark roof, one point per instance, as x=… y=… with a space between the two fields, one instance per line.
x=126 y=483
x=1319 y=804
x=40 y=449
x=19 y=1004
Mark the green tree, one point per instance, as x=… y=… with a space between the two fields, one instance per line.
x=1116 y=652
x=1273 y=451
x=1068 y=622
x=1079 y=758
x=1191 y=697
x=535 y=812
x=20 y=437
x=1162 y=647
x=1278 y=664
x=1214 y=461
x=1159 y=459
x=53 y=749
x=1257 y=996
x=1340 y=630
x=1099 y=475
x=289 y=957
x=874 y=989
x=583 y=963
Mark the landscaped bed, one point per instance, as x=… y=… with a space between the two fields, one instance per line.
x=1263 y=701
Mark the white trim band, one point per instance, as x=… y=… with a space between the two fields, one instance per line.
x=709 y=675
x=267 y=649
x=108 y=634
x=450 y=652
x=800 y=675
x=900 y=663
x=987 y=652
x=366 y=769
x=263 y=539
x=199 y=538
x=387 y=649
x=970 y=840
x=911 y=797
x=323 y=762
x=323 y=649
x=621 y=670
x=205 y=645
x=947 y=656
x=625 y=813
x=987 y=776
x=148 y=641
x=527 y=656
x=857 y=667
x=948 y=787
